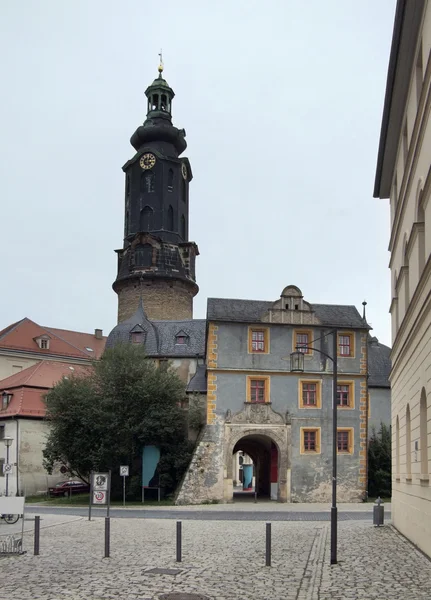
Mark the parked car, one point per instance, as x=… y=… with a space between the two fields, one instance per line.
x=66 y=488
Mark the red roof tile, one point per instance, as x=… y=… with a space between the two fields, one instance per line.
x=30 y=385
x=74 y=344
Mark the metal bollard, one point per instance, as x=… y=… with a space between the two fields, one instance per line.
x=268 y=545
x=378 y=513
x=107 y=536
x=179 y=541
x=36 y=535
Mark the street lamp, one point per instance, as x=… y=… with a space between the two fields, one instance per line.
x=297 y=366
x=8 y=443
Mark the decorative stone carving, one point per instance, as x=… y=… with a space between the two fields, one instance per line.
x=258 y=414
x=228 y=417
x=288 y=418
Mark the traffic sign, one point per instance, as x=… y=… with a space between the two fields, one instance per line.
x=101 y=481
x=7 y=469
x=124 y=471
x=99 y=497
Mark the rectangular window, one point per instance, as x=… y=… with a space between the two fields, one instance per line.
x=258 y=340
x=2 y=428
x=137 y=337
x=301 y=342
x=345 y=345
x=2 y=461
x=309 y=394
x=257 y=390
x=345 y=394
x=345 y=441
x=44 y=344
x=310 y=440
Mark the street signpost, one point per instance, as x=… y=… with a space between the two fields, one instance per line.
x=124 y=472
x=100 y=491
x=7 y=469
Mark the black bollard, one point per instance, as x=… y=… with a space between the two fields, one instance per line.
x=36 y=535
x=107 y=534
x=268 y=545
x=179 y=541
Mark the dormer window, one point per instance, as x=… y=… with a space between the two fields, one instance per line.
x=181 y=338
x=42 y=342
x=137 y=337
x=6 y=398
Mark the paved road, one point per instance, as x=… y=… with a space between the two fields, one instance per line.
x=221 y=560
x=205 y=515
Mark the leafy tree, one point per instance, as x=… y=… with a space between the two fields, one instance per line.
x=379 y=462
x=104 y=418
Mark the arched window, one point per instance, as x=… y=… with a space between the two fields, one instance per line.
x=406 y=275
x=408 y=443
x=146 y=219
x=397 y=447
x=170 y=222
x=170 y=180
x=126 y=224
x=183 y=227
x=155 y=102
x=164 y=103
x=423 y=432
x=147 y=182
x=143 y=255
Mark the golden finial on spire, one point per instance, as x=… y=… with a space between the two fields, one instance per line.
x=160 y=67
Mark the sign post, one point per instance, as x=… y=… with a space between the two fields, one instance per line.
x=100 y=491
x=124 y=472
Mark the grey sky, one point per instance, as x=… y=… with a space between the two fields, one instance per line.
x=281 y=101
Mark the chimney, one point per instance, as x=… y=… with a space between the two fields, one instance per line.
x=98 y=334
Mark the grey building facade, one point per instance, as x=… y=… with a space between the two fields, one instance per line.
x=281 y=419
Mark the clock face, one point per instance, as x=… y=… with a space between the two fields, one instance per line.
x=184 y=170
x=147 y=161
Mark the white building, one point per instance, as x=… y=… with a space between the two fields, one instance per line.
x=404 y=176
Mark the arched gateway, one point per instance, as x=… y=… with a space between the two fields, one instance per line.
x=265 y=436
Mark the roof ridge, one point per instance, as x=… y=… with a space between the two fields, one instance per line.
x=71 y=331
x=11 y=327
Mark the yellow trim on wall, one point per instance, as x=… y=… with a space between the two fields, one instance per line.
x=352 y=344
x=318 y=404
x=351 y=385
x=310 y=339
x=267 y=381
x=302 y=448
x=265 y=338
x=351 y=440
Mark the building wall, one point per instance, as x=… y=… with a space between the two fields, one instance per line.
x=410 y=247
x=9 y=365
x=308 y=476
x=29 y=477
x=379 y=408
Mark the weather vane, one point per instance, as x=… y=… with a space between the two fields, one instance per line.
x=161 y=61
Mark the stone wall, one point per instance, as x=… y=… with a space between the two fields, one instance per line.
x=163 y=300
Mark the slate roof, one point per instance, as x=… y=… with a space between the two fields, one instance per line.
x=379 y=363
x=198 y=383
x=251 y=311
x=160 y=338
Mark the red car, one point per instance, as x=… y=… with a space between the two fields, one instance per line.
x=67 y=488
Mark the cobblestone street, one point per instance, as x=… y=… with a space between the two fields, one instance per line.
x=221 y=561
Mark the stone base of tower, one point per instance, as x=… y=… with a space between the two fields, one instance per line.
x=163 y=300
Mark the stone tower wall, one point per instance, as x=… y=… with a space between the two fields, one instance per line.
x=163 y=300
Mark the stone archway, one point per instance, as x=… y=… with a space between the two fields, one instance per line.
x=257 y=440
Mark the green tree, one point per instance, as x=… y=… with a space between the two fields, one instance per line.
x=104 y=418
x=379 y=462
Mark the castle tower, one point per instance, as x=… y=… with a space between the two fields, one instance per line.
x=157 y=260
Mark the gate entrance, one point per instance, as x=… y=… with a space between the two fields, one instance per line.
x=258 y=476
